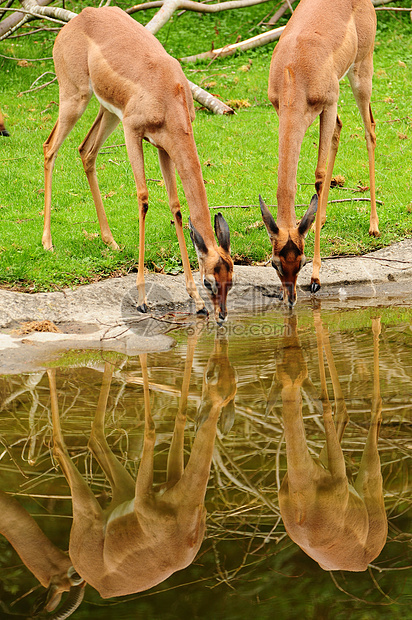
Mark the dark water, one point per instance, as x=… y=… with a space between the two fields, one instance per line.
x=209 y=430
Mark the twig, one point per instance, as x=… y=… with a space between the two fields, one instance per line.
x=37 y=15
x=27 y=59
x=275 y=206
x=379 y=258
x=112 y=146
x=32 y=90
x=390 y=8
x=252 y=43
x=35 y=31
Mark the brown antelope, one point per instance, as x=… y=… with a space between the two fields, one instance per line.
x=340 y=526
x=3 y=130
x=323 y=41
x=106 y=52
x=51 y=567
x=147 y=532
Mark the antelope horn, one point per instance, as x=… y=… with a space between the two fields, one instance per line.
x=72 y=602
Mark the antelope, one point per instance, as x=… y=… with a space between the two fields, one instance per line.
x=106 y=52
x=51 y=567
x=147 y=532
x=323 y=41
x=3 y=130
x=340 y=526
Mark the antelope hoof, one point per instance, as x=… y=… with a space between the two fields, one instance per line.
x=142 y=308
x=4 y=132
x=48 y=246
x=314 y=286
x=202 y=312
x=374 y=233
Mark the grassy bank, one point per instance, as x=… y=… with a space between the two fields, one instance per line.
x=238 y=156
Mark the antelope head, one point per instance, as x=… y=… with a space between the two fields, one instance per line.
x=215 y=265
x=288 y=246
x=68 y=582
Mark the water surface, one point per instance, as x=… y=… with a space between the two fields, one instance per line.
x=240 y=508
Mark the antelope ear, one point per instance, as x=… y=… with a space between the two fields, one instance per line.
x=197 y=240
x=53 y=597
x=268 y=220
x=222 y=232
x=307 y=220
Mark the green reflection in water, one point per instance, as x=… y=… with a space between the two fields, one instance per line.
x=247 y=563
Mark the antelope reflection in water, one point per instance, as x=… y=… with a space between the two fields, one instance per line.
x=147 y=532
x=340 y=526
x=51 y=567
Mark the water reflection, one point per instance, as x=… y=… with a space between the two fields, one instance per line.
x=48 y=563
x=147 y=532
x=280 y=464
x=342 y=527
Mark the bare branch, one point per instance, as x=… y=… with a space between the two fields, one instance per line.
x=17 y=19
x=209 y=101
x=228 y=50
x=191 y=5
x=32 y=9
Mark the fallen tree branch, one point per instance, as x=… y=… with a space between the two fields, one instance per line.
x=31 y=9
x=190 y=5
x=279 y=13
x=17 y=19
x=228 y=50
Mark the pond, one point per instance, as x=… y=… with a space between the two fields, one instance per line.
x=263 y=468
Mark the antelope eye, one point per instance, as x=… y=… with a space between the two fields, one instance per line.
x=303 y=261
x=274 y=265
x=207 y=284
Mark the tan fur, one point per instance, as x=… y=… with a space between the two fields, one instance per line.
x=342 y=527
x=146 y=533
x=107 y=52
x=3 y=130
x=323 y=41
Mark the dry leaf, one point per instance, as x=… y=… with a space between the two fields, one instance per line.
x=90 y=236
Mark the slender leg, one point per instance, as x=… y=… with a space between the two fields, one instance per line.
x=121 y=482
x=369 y=480
x=103 y=126
x=169 y=176
x=175 y=461
x=329 y=132
x=135 y=152
x=86 y=536
x=360 y=78
x=144 y=479
x=331 y=454
x=341 y=413
x=3 y=130
x=329 y=171
x=72 y=106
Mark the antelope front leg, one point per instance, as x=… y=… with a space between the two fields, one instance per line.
x=135 y=153
x=121 y=482
x=329 y=134
x=169 y=176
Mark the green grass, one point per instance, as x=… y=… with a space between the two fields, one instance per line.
x=238 y=156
